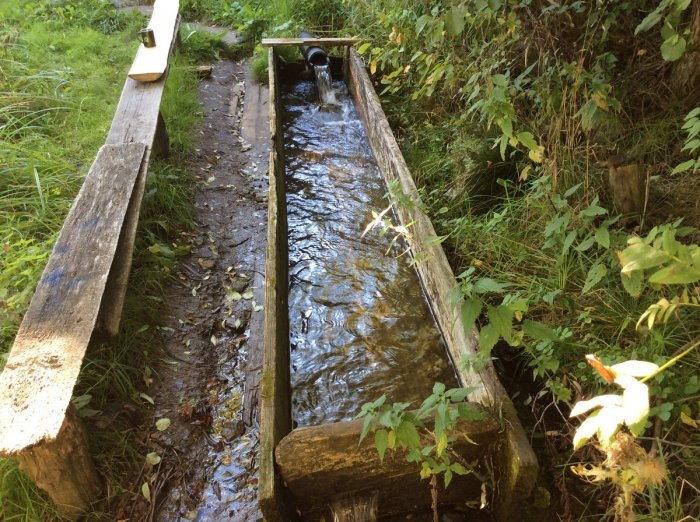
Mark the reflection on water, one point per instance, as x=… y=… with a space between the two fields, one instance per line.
x=359 y=324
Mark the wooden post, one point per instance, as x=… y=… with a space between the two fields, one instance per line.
x=161 y=142
x=628 y=186
x=64 y=468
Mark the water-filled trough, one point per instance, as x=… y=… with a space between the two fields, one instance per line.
x=309 y=460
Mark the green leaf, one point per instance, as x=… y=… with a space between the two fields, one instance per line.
x=363 y=48
x=381 y=441
x=365 y=428
x=641 y=256
x=633 y=282
x=539 y=331
x=676 y=274
x=501 y=317
x=488 y=337
x=527 y=139
x=438 y=388
x=441 y=445
x=407 y=435
x=602 y=237
x=454 y=20
x=448 y=477
x=163 y=424
x=487 y=284
x=471 y=308
x=673 y=48
x=152 y=459
x=595 y=274
x=649 y=21
x=146 y=491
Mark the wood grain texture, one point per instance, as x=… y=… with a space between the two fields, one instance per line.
x=516 y=461
x=38 y=379
x=136 y=120
x=328 y=42
x=64 y=469
x=318 y=462
x=151 y=62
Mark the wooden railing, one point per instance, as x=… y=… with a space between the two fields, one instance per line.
x=82 y=290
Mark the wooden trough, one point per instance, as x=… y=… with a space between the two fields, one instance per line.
x=303 y=469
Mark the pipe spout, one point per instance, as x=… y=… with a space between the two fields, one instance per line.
x=313 y=54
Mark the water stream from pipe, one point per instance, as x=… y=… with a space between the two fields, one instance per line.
x=359 y=324
x=325 y=85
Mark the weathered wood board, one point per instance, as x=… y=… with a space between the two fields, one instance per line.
x=151 y=62
x=329 y=42
x=37 y=382
x=517 y=467
x=137 y=119
x=319 y=462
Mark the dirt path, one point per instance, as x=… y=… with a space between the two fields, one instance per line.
x=211 y=333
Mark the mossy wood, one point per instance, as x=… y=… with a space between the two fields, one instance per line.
x=516 y=464
x=319 y=462
x=151 y=62
x=301 y=457
x=275 y=402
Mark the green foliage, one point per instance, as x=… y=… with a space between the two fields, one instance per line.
x=425 y=434
x=669 y=14
x=692 y=142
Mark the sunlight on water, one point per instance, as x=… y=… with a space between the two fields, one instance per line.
x=359 y=324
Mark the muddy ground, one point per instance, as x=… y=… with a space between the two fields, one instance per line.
x=211 y=332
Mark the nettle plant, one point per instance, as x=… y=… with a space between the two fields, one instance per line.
x=659 y=261
x=425 y=435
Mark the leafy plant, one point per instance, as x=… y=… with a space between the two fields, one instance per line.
x=425 y=435
x=692 y=142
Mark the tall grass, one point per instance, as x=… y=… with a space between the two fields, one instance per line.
x=62 y=68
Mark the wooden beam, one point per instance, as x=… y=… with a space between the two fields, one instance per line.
x=319 y=462
x=37 y=382
x=328 y=42
x=275 y=394
x=515 y=460
x=151 y=62
x=136 y=120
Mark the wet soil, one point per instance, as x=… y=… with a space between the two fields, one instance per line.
x=206 y=382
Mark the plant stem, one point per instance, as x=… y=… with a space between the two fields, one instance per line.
x=685 y=350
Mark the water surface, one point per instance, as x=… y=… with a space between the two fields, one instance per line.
x=359 y=323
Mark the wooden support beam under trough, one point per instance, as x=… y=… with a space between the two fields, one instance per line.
x=319 y=463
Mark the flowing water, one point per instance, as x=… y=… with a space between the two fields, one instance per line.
x=325 y=85
x=359 y=324
x=355 y=509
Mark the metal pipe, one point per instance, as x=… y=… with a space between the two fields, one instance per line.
x=315 y=55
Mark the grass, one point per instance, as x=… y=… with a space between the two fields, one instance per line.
x=60 y=80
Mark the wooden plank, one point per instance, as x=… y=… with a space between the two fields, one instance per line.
x=328 y=42
x=135 y=121
x=319 y=462
x=275 y=395
x=151 y=62
x=516 y=460
x=38 y=379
